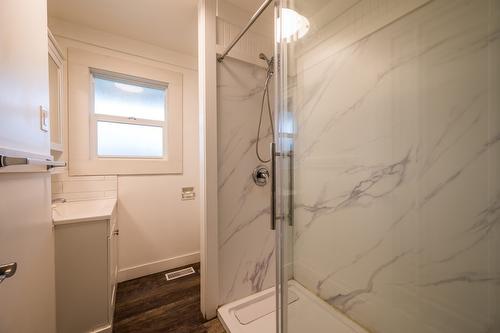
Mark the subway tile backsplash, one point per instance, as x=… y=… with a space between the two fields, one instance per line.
x=76 y=188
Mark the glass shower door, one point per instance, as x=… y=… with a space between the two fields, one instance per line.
x=388 y=166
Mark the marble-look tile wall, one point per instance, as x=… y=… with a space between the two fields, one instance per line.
x=397 y=169
x=246 y=244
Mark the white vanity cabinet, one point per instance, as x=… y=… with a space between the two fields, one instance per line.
x=86 y=252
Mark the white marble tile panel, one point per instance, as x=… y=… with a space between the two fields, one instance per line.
x=397 y=188
x=246 y=244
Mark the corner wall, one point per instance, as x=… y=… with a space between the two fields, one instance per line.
x=246 y=244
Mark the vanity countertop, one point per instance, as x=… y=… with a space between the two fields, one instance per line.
x=83 y=211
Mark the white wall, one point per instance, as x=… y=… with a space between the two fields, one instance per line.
x=157 y=230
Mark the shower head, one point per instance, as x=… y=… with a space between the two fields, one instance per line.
x=264 y=57
x=270 y=62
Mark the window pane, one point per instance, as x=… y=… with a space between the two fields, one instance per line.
x=127 y=140
x=116 y=98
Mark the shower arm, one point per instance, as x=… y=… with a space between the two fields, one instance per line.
x=255 y=16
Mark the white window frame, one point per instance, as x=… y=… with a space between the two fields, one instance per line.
x=57 y=57
x=83 y=158
x=94 y=118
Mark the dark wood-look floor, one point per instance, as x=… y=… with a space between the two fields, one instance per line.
x=153 y=304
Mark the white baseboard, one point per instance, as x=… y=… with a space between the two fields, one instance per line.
x=105 y=329
x=130 y=273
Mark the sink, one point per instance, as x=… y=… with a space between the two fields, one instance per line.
x=82 y=211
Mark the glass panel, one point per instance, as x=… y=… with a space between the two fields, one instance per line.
x=54 y=87
x=117 y=98
x=127 y=140
x=394 y=180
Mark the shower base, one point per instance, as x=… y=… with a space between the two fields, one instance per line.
x=306 y=313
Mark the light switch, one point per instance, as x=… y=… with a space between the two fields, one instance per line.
x=44 y=119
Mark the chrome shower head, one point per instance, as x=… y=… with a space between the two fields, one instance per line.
x=270 y=62
x=264 y=57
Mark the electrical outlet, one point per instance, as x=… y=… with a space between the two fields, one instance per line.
x=44 y=119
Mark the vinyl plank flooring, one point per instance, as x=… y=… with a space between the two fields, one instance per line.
x=153 y=304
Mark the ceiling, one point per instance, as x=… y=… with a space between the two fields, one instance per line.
x=170 y=24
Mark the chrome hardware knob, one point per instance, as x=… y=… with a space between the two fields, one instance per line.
x=260 y=175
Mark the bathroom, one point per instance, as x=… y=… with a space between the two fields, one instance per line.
x=259 y=166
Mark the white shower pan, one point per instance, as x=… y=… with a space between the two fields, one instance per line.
x=306 y=313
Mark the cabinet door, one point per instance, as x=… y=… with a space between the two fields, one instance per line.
x=81 y=276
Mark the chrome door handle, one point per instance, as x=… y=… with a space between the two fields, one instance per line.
x=273 y=186
x=7 y=271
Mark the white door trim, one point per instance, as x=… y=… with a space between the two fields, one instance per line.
x=207 y=75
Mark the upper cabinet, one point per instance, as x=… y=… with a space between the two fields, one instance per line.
x=56 y=96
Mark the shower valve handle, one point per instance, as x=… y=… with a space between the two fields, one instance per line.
x=260 y=175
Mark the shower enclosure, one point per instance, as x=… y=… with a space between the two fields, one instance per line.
x=385 y=176
x=388 y=165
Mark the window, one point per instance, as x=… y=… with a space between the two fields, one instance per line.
x=125 y=117
x=128 y=117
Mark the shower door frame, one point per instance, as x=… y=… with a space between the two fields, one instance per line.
x=282 y=160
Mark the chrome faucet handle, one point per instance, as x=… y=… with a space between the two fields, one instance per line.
x=58 y=200
x=260 y=175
